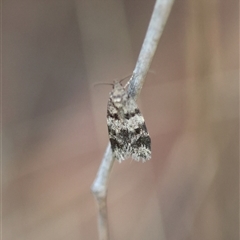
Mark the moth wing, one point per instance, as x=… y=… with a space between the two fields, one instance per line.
x=128 y=133
x=118 y=134
x=140 y=146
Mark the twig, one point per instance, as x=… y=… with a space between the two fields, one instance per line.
x=158 y=20
x=99 y=188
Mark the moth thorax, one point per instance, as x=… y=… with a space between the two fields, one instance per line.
x=119 y=99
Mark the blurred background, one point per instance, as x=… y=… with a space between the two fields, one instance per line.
x=54 y=120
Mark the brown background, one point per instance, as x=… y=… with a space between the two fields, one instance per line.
x=54 y=120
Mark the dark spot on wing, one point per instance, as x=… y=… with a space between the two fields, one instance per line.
x=143 y=127
x=127 y=116
x=114 y=144
x=132 y=114
x=137 y=111
x=137 y=130
x=124 y=133
x=114 y=116
x=110 y=130
x=143 y=140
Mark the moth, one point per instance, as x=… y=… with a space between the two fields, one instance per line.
x=127 y=130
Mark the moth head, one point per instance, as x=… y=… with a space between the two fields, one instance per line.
x=118 y=94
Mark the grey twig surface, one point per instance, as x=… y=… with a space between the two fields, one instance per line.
x=99 y=188
x=158 y=20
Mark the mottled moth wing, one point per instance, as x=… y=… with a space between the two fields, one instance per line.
x=127 y=130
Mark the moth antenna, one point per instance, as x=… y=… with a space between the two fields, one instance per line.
x=128 y=76
x=96 y=84
x=112 y=84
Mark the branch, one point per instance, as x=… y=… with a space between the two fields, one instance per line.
x=158 y=20
x=99 y=188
